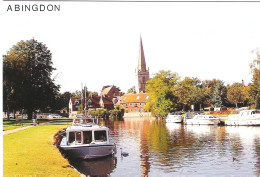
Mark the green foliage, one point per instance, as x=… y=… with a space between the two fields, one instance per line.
x=116 y=113
x=186 y=91
x=131 y=90
x=27 y=70
x=236 y=93
x=160 y=88
x=254 y=91
x=100 y=113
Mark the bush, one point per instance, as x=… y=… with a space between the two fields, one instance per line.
x=99 y=113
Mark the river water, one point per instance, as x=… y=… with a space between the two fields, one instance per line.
x=159 y=149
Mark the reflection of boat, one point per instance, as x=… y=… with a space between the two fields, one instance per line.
x=172 y=118
x=202 y=120
x=245 y=117
x=87 y=142
x=201 y=130
x=98 y=167
x=172 y=127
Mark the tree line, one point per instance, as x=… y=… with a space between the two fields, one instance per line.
x=169 y=93
x=28 y=85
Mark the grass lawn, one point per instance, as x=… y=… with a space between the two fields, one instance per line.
x=31 y=152
x=11 y=124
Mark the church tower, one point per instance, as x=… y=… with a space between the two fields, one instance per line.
x=142 y=73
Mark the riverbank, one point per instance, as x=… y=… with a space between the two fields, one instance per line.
x=31 y=152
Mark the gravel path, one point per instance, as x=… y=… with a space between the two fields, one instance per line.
x=15 y=130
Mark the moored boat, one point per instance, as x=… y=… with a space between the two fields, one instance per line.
x=172 y=118
x=87 y=141
x=202 y=120
x=245 y=117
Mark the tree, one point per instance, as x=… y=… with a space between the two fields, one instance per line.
x=255 y=87
x=27 y=70
x=186 y=91
x=236 y=93
x=62 y=101
x=131 y=90
x=161 y=89
x=217 y=92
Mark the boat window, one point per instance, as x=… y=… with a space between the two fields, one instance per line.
x=71 y=137
x=78 y=137
x=100 y=135
x=76 y=121
x=87 y=137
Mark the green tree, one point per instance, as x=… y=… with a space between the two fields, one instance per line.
x=131 y=90
x=186 y=92
x=236 y=94
x=62 y=101
x=161 y=89
x=27 y=70
x=217 y=92
x=255 y=87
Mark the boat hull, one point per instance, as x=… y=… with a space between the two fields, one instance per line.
x=89 y=152
x=202 y=122
x=239 y=122
x=174 y=120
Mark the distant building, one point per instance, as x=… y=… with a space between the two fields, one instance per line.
x=134 y=102
x=142 y=73
x=92 y=102
x=112 y=92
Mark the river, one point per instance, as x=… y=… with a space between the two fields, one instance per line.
x=159 y=149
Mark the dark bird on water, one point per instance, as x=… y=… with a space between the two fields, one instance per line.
x=124 y=153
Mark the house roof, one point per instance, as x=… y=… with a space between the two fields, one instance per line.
x=135 y=98
x=74 y=99
x=106 y=90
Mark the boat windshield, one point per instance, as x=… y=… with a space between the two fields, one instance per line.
x=71 y=137
x=78 y=137
x=87 y=137
x=100 y=135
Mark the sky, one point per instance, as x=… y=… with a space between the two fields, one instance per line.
x=97 y=43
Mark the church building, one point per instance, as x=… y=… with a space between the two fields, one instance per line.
x=133 y=104
x=142 y=73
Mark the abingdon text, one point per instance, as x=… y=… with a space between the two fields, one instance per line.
x=34 y=7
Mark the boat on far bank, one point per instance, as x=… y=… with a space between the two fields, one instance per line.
x=173 y=118
x=202 y=120
x=244 y=118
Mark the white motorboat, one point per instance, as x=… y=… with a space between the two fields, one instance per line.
x=87 y=141
x=172 y=118
x=202 y=120
x=245 y=117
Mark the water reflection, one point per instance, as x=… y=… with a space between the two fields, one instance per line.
x=99 y=167
x=156 y=148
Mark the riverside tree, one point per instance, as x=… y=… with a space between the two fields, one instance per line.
x=186 y=91
x=255 y=87
x=236 y=93
x=161 y=90
x=27 y=71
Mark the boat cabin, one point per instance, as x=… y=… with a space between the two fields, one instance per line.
x=80 y=135
x=249 y=112
x=205 y=117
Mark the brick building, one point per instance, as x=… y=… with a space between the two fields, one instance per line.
x=134 y=102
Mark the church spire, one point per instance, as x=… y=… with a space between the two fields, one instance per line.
x=141 y=59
